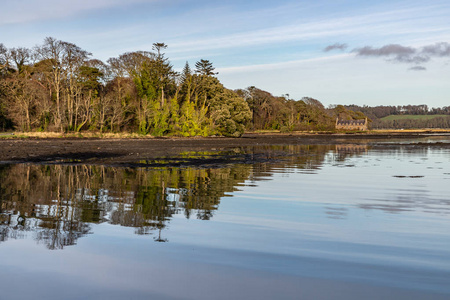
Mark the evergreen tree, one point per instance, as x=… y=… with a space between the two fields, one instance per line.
x=205 y=67
x=186 y=73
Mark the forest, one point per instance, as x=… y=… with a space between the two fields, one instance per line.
x=59 y=87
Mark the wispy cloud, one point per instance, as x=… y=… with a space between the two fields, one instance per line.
x=399 y=22
x=393 y=49
x=280 y=65
x=336 y=46
x=407 y=54
x=438 y=49
x=394 y=52
x=24 y=11
x=418 y=68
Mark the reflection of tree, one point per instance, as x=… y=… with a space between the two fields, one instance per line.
x=57 y=203
x=57 y=234
x=305 y=158
x=42 y=200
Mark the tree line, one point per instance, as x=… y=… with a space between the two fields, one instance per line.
x=285 y=114
x=58 y=86
x=434 y=123
x=376 y=113
x=381 y=111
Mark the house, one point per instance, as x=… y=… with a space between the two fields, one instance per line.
x=351 y=124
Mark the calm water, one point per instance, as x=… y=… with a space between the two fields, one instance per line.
x=321 y=222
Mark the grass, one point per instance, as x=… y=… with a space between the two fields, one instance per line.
x=425 y=130
x=56 y=135
x=412 y=117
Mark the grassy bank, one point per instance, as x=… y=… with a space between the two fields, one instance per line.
x=98 y=135
x=412 y=117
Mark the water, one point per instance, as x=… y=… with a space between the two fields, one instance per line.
x=319 y=222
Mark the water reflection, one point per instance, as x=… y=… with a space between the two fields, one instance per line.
x=57 y=204
x=404 y=201
x=325 y=222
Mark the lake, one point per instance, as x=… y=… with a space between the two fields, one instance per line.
x=351 y=221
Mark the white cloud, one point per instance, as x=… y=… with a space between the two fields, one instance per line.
x=241 y=40
x=24 y=11
x=342 y=79
x=400 y=22
x=280 y=65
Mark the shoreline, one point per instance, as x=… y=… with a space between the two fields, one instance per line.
x=130 y=151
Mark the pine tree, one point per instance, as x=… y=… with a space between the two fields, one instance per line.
x=186 y=73
x=205 y=67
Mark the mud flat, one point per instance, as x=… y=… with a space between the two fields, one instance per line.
x=130 y=152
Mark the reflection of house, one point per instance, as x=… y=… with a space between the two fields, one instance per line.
x=351 y=149
x=351 y=124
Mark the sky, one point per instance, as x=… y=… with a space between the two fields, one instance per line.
x=337 y=51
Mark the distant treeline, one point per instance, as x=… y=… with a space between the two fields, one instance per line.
x=285 y=114
x=57 y=86
x=438 y=122
x=377 y=113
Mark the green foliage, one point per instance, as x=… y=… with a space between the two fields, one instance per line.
x=193 y=121
x=186 y=73
x=159 y=119
x=230 y=113
x=174 y=118
x=89 y=77
x=281 y=113
x=5 y=122
x=204 y=68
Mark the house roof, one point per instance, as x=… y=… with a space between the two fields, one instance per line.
x=351 y=122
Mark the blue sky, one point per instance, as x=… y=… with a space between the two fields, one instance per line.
x=379 y=52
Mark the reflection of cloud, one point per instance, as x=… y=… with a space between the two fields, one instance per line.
x=338 y=213
x=409 y=202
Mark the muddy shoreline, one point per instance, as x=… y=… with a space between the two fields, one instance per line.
x=138 y=152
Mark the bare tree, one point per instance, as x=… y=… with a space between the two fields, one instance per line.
x=63 y=60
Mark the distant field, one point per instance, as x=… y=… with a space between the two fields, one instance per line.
x=412 y=117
